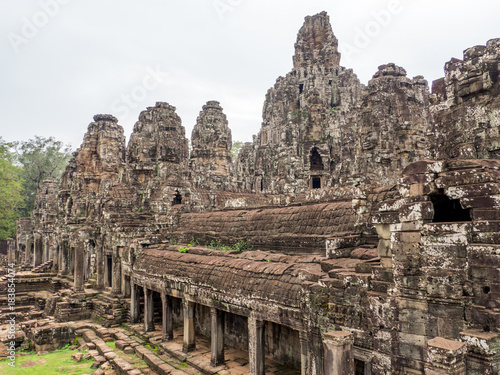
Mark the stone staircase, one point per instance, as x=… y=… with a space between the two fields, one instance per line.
x=43 y=267
x=116 y=350
x=111 y=310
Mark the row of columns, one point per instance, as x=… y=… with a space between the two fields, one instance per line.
x=255 y=328
x=79 y=271
x=337 y=359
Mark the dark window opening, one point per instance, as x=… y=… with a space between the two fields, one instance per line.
x=177 y=198
x=330 y=82
x=301 y=88
x=316 y=183
x=109 y=264
x=316 y=160
x=261 y=185
x=359 y=367
x=486 y=290
x=447 y=210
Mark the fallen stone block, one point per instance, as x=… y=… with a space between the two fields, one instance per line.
x=128 y=350
x=121 y=344
x=77 y=357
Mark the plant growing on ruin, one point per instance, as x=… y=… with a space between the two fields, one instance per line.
x=243 y=246
x=183 y=250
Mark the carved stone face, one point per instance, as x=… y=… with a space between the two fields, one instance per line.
x=464 y=151
x=369 y=140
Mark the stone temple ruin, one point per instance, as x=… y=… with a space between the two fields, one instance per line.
x=366 y=218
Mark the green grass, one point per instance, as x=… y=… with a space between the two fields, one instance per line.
x=58 y=362
x=111 y=344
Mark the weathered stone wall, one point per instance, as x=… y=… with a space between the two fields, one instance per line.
x=466 y=107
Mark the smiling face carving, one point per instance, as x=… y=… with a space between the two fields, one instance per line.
x=369 y=140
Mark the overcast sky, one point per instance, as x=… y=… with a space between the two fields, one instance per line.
x=63 y=61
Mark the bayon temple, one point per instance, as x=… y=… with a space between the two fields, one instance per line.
x=359 y=233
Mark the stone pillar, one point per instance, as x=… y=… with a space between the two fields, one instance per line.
x=256 y=352
x=189 y=334
x=125 y=285
x=116 y=286
x=28 y=252
x=217 y=333
x=167 y=317
x=11 y=251
x=148 y=310
x=45 y=251
x=304 y=349
x=63 y=254
x=55 y=257
x=445 y=357
x=79 y=261
x=100 y=267
x=37 y=251
x=339 y=354
x=134 y=304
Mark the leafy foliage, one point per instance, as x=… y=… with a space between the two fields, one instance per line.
x=240 y=246
x=11 y=199
x=40 y=158
x=235 y=149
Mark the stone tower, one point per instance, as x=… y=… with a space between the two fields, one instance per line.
x=388 y=131
x=211 y=159
x=99 y=162
x=157 y=155
x=294 y=146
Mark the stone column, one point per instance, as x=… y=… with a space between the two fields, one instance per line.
x=100 y=267
x=63 y=253
x=37 y=251
x=256 y=352
x=79 y=261
x=304 y=349
x=11 y=251
x=28 y=253
x=339 y=355
x=445 y=357
x=148 y=310
x=45 y=251
x=134 y=304
x=55 y=257
x=217 y=333
x=167 y=317
x=189 y=334
x=116 y=287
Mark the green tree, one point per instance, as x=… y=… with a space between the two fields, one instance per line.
x=40 y=158
x=235 y=149
x=11 y=199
